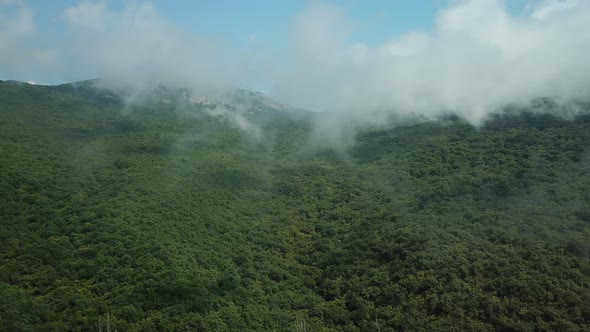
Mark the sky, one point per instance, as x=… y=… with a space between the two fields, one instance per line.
x=264 y=20
x=243 y=25
x=469 y=56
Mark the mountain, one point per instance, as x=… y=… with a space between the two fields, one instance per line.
x=171 y=210
x=236 y=99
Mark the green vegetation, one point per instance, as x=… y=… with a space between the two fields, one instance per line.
x=158 y=217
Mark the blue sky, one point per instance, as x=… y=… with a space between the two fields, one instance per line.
x=267 y=21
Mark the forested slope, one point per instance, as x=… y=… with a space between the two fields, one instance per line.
x=157 y=216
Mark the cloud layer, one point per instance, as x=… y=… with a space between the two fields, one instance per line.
x=478 y=57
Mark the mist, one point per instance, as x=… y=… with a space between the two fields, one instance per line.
x=478 y=58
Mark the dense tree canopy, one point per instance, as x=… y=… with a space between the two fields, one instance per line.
x=156 y=216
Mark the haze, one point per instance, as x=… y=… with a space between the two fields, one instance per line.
x=478 y=57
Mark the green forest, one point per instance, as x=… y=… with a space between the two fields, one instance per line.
x=158 y=216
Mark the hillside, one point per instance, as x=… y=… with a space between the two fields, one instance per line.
x=172 y=215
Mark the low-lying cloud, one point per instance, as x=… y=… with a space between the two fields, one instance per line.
x=477 y=58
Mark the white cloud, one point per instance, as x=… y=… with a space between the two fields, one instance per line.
x=547 y=8
x=136 y=46
x=88 y=15
x=408 y=45
x=17 y=58
x=477 y=58
x=15 y=25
